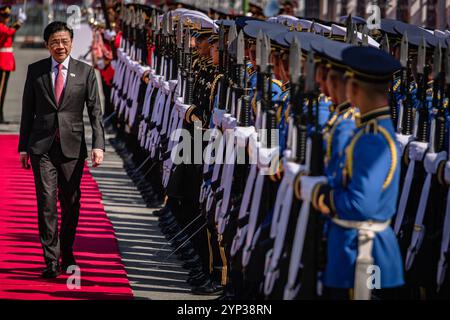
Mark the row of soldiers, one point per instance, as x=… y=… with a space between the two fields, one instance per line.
x=322 y=167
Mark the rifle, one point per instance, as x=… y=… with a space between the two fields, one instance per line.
x=309 y=216
x=299 y=131
x=231 y=65
x=268 y=112
x=180 y=61
x=445 y=241
x=405 y=118
x=431 y=192
x=243 y=113
x=223 y=66
x=422 y=127
x=188 y=68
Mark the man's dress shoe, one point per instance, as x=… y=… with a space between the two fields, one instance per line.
x=51 y=271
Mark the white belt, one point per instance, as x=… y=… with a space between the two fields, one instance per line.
x=238 y=239
x=366 y=234
x=290 y=291
x=280 y=221
x=431 y=163
x=404 y=197
x=253 y=218
x=6 y=50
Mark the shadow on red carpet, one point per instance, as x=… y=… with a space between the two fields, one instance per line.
x=103 y=275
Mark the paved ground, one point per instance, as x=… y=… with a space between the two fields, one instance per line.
x=143 y=248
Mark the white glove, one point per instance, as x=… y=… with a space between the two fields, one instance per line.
x=109 y=34
x=22 y=17
x=269 y=159
x=402 y=141
x=229 y=122
x=242 y=134
x=142 y=70
x=173 y=85
x=447 y=172
x=308 y=184
x=432 y=161
x=417 y=150
x=218 y=116
x=181 y=108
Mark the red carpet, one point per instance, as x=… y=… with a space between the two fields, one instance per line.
x=103 y=275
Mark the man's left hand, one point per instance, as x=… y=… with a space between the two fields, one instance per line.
x=96 y=157
x=21 y=17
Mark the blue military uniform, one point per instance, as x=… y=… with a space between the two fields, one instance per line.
x=340 y=124
x=367 y=187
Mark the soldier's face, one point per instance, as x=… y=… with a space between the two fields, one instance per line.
x=215 y=53
x=336 y=86
x=202 y=46
x=321 y=76
x=352 y=92
x=5 y=19
x=59 y=45
x=252 y=54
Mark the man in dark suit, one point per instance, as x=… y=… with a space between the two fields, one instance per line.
x=52 y=139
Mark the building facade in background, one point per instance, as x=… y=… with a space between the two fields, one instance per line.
x=427 y=13
x=434 y=14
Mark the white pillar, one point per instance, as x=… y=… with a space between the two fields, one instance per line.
x=416 y=11
x=391 y=9
x=351 y=7
x=324 y=10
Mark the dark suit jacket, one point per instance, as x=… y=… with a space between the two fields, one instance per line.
x=41 y=116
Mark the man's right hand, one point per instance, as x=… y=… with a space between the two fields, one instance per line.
x=25 y=161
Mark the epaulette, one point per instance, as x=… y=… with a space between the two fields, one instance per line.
x=213 y=88
x=286 y=86
x=277 y=82
x=323 y=98
x=249 y=68
x=396 y=85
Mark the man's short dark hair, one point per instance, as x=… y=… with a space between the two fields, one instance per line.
x=56 y=26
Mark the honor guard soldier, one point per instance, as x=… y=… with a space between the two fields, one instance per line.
x=361 y=204
x=7 y=62
x=339 y=128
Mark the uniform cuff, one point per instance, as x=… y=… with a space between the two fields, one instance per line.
x=323 y=196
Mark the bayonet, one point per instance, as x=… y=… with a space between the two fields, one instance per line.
x=232 y=35
x=312 y=27
x=354 y=35
x=295 y=61
x=259 y=39
x=189 y=79
x=310 y=73
x=385 y=44
x=421 y=56
x=437 y=137
x=349 y=29
x=404 y=51
x=240 y=50
x=421 y=131
x=365 y=37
